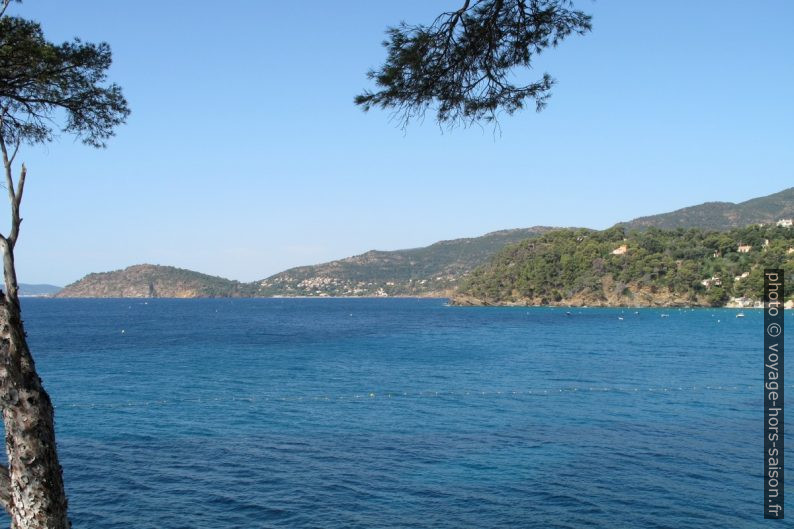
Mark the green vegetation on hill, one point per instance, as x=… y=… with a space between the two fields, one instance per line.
x=567 y=266
x=659 y=267
x=431 y=270
x=153 y=281
x=722 y=215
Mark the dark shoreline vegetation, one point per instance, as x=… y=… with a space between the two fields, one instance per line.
x=563 y=267
x=681 y=267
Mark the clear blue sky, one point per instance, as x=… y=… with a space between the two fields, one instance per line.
x=244 y=154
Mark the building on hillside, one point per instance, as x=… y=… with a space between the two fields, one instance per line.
x=713 y=281
x=744 y=248
x=620 y=250
x=739 y=278
x=786 y=223
x=790 y=250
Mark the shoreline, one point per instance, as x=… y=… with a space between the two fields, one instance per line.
x=451 y=301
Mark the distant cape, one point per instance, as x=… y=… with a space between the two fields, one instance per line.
x=436 y=270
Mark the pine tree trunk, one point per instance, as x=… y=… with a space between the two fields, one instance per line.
x=36 y=497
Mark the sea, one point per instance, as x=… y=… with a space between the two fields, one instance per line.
x=402 y=413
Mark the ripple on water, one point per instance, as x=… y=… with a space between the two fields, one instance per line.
x=292 y=413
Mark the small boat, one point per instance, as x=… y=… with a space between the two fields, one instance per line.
x=620 y=318
x=740 y=315
x=665 y=315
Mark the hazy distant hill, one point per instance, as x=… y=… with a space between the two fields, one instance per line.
x=424 y=271
x=722 y=215
x=433 y=269
x=29 y=290
x=153 y=281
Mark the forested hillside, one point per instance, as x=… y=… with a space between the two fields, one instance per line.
x=650 y=268
x=722 y=215
x=153 y=281
x=430 y=270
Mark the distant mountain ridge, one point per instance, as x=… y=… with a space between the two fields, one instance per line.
x=430 y=270
x=28 y=290
x=435 y=270
x=722 y=216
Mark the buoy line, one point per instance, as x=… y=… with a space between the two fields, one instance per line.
x=371 y=395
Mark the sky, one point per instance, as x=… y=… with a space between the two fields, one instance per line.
x=244 y=154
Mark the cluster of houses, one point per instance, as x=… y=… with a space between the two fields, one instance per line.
x=783 y=223
x=741 y=248
x=745 y=248
x=715 y=281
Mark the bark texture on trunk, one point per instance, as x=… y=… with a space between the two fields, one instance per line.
x=31 y=488
x=36 y=499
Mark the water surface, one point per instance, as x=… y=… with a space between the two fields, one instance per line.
x=401 y=413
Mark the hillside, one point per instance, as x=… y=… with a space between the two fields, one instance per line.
x=650 y=268
x=722 y=215
x=153 y=281
x=438 y=269
x=431 y=270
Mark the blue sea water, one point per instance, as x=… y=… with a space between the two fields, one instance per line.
x=361 y=413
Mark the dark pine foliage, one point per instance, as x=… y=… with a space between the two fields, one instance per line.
x=564 y=263
x=41 y=82
x=464 y=63
x=44 y=88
